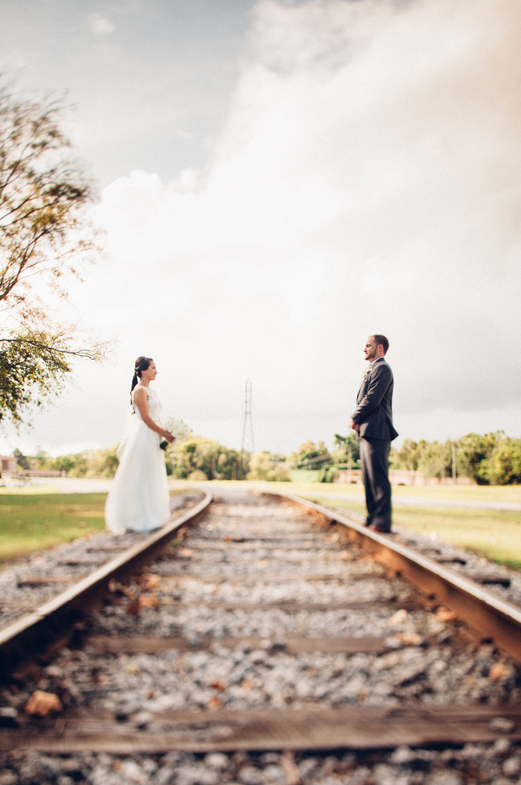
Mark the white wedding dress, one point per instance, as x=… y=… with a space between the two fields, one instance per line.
x=138 y=500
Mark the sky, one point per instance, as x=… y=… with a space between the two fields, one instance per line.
x=276 y=181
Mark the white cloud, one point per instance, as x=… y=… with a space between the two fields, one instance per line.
x=367 y=181
x=100 y=24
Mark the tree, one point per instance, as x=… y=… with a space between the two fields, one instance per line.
x=263 y=467
x=408 y=456
x=227 y=464
x=312 y=456
x=80 y=465
x=504 y=465
x=102 y=463
x=44 y=236
x=203 y=455
x=42 y=460
x=65 y=463
x=328 y=474
x=21 y=460
x=435 y=459
x=474 y=452
x=348 y=453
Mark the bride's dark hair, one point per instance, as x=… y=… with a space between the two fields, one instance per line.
x=141 y=364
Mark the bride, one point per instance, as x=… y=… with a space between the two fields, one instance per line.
x=138 y=500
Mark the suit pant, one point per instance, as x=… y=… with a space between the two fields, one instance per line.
x=375 y=475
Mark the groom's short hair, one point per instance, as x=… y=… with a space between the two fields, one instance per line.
x=381 y=340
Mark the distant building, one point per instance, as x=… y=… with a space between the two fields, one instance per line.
x=8 y=464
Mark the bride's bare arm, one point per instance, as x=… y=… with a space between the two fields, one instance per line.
x=141 y=401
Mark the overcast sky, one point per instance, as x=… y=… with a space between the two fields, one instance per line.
x=278 y=180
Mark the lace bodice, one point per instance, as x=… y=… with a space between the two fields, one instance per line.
x=154 y=404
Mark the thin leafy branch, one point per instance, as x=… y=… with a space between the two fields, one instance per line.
x=45 y=236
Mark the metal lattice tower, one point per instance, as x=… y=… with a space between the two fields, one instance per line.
x=248 y=444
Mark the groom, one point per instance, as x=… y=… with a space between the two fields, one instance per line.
x=373 y=421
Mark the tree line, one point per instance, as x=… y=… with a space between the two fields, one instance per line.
x=491 y=459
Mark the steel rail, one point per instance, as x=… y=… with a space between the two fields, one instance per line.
x=37 y=630
x=312 y=728
x=486 y=615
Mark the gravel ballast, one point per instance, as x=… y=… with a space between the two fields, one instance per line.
x=231 y=557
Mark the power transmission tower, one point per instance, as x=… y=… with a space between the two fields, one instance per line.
x=248 y=444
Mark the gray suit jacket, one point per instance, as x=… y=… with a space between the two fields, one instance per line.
x=374 y=411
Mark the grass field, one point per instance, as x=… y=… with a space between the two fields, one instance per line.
x=33 y=521
x=496 y=535
x=480 y=493
x=36 y=517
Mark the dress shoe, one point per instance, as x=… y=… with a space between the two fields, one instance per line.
x=380 y=529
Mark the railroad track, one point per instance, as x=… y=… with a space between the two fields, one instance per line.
x=261 y=625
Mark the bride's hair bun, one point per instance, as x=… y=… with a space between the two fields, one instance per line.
x=141 y=364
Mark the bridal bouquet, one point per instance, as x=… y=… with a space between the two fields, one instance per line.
x=177 y=428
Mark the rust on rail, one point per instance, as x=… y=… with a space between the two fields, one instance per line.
x=486 y=615
x=37 y=630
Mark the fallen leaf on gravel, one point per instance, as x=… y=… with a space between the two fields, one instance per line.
x=444 y=614
x=116 y=588
x=498 y=671
x=246 y=684
x=397 y=618
x=218 y=685
x=134 y=608
x=262 y=564
x=362 y=695
x=410 y=638
x=131 y=668
x=43 y=704
x=152 y=581
x=148 y=601
x=290 y=769
x=346 y=555
x=332 y=538
x=186 y=553
x=215 y=703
